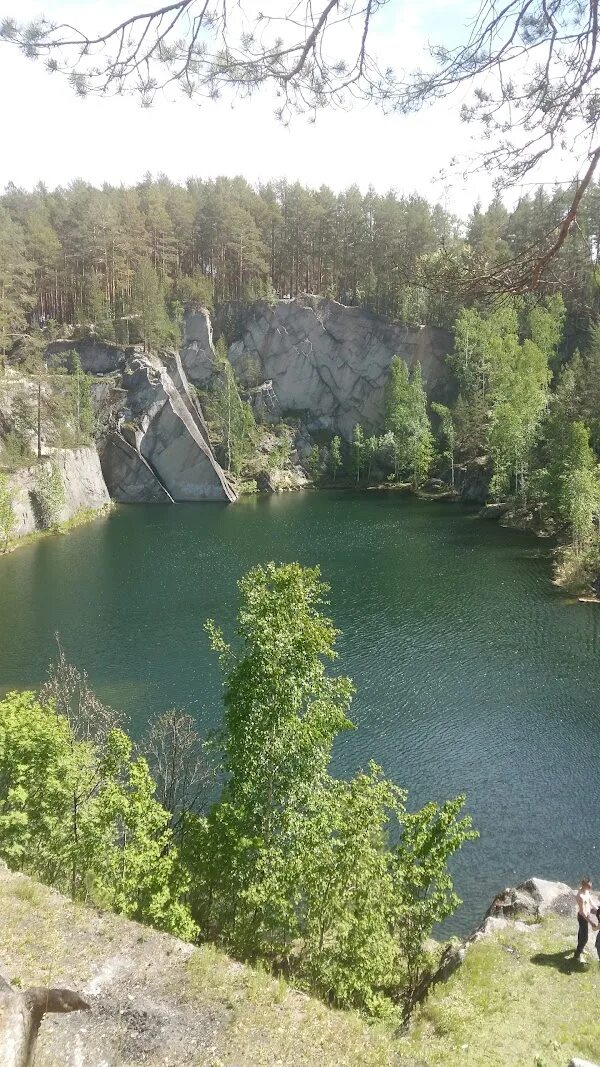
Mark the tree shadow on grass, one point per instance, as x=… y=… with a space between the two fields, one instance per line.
x=561 y=961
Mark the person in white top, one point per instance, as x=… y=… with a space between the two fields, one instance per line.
x=584 y=905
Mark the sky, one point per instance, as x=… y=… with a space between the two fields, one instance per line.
x=50 y=135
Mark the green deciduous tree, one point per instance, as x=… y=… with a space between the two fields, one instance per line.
x=504 y=386
x=447 y=431
x=113 y=846
x=315 y=463
x=423 y=890
x=335 y=456
x=282 y=712
x=574 y=482
x=294 y=865
x=358 y=449
x=233 y=416
x=82 y=409
x=407 y=419
x=149 y=318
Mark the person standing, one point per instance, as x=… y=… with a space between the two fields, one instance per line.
x=584 y=904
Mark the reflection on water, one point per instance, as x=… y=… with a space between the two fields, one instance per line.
x=473 y=674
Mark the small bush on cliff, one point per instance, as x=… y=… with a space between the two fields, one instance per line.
x=231 y=416
x=8 y=519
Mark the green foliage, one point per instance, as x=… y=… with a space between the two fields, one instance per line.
x=334 y=880
x=81 y=816
x=335 y=456
x=315 y=463
x=15 y=451
x=282 y=712
x=504 y=387
x=95 y=313
x=50 y=495
x=193 y=291
x=357 y=451
x=349 y=952
x=82 y=410
x=8 y=519
x=149 y=320
x=293 y=865
x=407 y=420
x=424 y=894
x=232 y=416
x=371 y=451
x=447 y=433
x=575 y=484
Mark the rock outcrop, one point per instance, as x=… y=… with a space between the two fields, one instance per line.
x=531 y=900
x=309 y=364
x=323 y=361
x=159 y=448
x=83 y=484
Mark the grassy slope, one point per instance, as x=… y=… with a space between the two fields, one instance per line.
x=159 y=1002
x=517 y=999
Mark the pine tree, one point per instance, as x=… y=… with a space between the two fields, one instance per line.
x=149 y=317
x=233 y=416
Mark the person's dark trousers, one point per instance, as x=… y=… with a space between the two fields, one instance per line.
x=598 y=944
x=582 y=936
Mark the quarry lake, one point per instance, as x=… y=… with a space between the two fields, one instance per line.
x=473 y=673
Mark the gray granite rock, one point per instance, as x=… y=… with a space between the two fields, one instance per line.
x=329 y=363
x=161 y=424
x=83 y=484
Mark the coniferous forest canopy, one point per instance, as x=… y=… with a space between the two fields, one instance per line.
x=126 y=260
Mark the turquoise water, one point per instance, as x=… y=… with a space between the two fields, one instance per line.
x=473 y=673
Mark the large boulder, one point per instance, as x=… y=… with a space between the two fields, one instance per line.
x=530 y=900
x=97 y=357
x=131 y=479
x=330 y=363
x=536 y=897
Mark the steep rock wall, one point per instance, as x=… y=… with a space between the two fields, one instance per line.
x=159 y=449
x=324 y=361
x=83 y=483
x=155 y=446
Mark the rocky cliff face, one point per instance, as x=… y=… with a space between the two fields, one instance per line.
x=83 y=484
x=321 y=360
x=309 y=358
x=157 y=449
